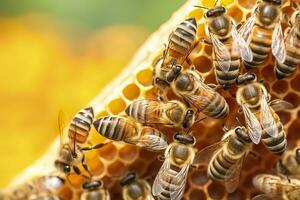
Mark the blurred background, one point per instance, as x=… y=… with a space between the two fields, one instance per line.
x=56 y=56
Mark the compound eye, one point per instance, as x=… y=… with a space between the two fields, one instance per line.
x=67 y=169
x=298 y=156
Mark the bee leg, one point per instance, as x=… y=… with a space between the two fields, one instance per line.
x=84 y=165
x=97 y=146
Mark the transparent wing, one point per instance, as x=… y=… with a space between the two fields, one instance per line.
x=278 y=46
x=152 y=142
x=279 y=105
x=157 y=187
x=267 y=120
x=246 y=29
x=204 y=156
x=180 y=180
x=252 y=124
x=222 y=55
x=241 y=45
x=61 y=125
x=232 y=177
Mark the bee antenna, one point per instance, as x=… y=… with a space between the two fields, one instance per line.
x=201 y=7
x=216 y=2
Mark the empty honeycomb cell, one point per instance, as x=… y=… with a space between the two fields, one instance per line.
x=268 y=73
x=295 y=83
x=199 y=177
x=108 y=152
x=293 y=98
x=237 y=195
x=236 y=13
x=216 y=190
x=117 y=169
x=208 y=50
x=285 y=117
x=116 y=106
x=280 y=86
x=247 y=4
x=203 y=64
x=96 y=166
x=131 y=92
x=128 y=153
x=196 y=13
x=197 y=195
x=144 y=77
x=211 y=78
x=137 y=167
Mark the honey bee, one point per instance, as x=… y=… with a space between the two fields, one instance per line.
x=135 y=189
x=228 y=45
x=189 y=85
x=93 y=190
x=263 y=32
x=80 y=126
x=123 y=129
x=284 y=68
x=181 y=42
x=171 y=113
x=276 y=187
x=171 y=179
x=70 y=153
x=289 y=164
x=259 y=113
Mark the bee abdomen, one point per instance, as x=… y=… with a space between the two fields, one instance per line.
x=169 y=183
x=81 y=125
x=227 y=77
x=114 y=128
x=277 y=144
x=260 y=46
x=184 y=36
x=217 y=108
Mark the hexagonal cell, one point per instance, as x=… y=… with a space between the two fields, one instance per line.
x=197 y=195
x=295 y=83
x=139 y=167
x=108 y=152
x=117 y=169
x=208 y=50
x=199 y=177
x=293 y=98
x=144 y=77
x=236 y=13
x=280 y=86
x=216 y=190
x=131 y=92
x=128 y=153
x=268 y=73
x=203 y=64
x=116 y=106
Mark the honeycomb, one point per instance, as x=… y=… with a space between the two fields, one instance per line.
x=114 y=160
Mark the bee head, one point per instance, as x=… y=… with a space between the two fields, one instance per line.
x=63 y=167
x=245 y=78
x=241 y=132
x=92 y=185
x=298 y=156
x=215 y=12
x=188 y=119
x=269 y=11
x=184 y=138
x=129 y=178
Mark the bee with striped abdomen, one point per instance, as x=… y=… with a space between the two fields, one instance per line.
x=171 y=113
x=259 y=113
x=263 y=32
x=181 y=41
x=289 y=164
x=228 y=45
x=225 y=158
x=123 y=129
x=135 y=189
x=287 y=66
x=171 y=179
x=189 y=85
x=276 y=187
x=93 y=190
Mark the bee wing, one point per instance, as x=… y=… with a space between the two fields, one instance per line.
x=252 y=124
x=61 y=125
x=232 y=177
x=267 y=120
x=241 y=45
x=157 y=188
x=278 y=46
x=180 y=182
x=279 y=105
x=222 y=55
x=266 y=197
x=246 y=29
x=150 y=141
x=204 y=156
